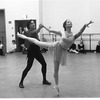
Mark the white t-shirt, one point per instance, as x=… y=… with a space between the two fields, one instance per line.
x=13 y=47
x=1 y=45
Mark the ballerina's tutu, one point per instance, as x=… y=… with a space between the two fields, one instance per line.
x=59 y=53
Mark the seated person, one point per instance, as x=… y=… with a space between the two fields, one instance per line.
x=73 y=48
x=1 y=48
x=98 y=47
x=13 y=47
x=24 y=49
x=81 y=47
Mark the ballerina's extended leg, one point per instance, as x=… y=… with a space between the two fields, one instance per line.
x=21 y=36
x=37 y=42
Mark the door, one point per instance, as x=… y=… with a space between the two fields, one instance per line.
x=3 y=30
x=19 y=27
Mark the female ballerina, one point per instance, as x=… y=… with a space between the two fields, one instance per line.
x=59 y=47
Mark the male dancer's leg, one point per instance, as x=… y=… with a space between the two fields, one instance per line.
x=41 y=60
x=26 y=70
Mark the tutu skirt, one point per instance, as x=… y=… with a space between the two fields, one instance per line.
x=59 y=53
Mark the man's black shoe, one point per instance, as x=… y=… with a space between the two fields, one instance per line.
x=46 y=83
x=21 y=85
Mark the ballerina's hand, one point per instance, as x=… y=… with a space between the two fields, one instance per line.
x=87 y=25
x=41 y=26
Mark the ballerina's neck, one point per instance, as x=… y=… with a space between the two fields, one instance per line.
x=68 y=34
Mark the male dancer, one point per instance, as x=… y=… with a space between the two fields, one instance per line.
x=34 y=52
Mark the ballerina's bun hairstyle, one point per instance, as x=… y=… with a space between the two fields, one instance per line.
x=64 y=25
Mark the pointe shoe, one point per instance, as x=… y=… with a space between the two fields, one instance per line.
x=57 y=89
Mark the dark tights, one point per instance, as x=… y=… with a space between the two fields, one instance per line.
x=39 y=57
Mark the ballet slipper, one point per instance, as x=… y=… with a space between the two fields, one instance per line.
x=57 y=89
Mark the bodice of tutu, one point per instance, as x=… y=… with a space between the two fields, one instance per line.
x=66 y=42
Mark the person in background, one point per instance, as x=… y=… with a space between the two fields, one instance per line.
x=98 y=47
x=24 y=49
x=81 y=47
x=13 y=47
x=1 y=48
x=73 y=48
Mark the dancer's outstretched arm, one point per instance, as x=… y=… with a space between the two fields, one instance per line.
x=82 y=29
x=52 y=31
x=35 y=41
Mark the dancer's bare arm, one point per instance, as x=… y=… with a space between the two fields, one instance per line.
x=52 y=31
x=82 y=30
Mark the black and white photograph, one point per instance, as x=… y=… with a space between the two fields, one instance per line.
x=49 y=49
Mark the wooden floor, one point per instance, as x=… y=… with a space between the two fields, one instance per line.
x=81 y=78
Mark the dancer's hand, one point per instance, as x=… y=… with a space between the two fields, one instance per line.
x=40 y=26
x=87 y=25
